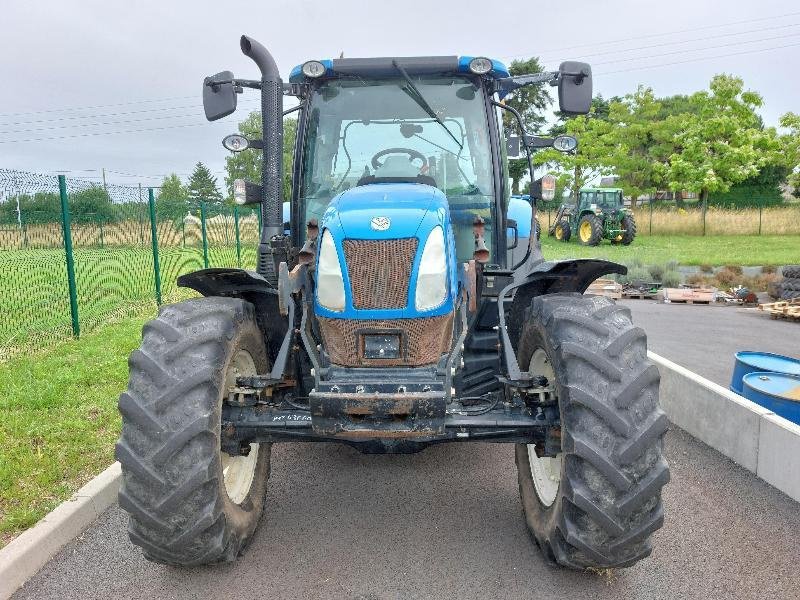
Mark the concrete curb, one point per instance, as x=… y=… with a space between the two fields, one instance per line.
x=26 y=554
x=749 y=434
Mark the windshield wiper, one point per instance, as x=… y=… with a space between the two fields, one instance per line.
x=420 y=99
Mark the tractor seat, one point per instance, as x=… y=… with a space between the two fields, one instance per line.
x=397 y=169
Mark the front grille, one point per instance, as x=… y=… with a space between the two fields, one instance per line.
x=422 y=341
x=379 y=271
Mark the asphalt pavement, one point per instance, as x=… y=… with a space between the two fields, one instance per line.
x=704 y=338
x=447 y=522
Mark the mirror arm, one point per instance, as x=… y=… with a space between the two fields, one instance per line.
x=515 y=112
x=248 y=83
x=507 y=85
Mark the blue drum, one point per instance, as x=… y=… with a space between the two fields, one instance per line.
x=777 y=392
x=752 y=362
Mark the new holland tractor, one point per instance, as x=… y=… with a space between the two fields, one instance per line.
x=599 y=214
x=402 y=309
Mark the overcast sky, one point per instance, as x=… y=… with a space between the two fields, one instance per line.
x=73 y=69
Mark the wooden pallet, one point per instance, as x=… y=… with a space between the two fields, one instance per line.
x=605 y=287
x=689 y=296
x=786 y=309
x=638 y=295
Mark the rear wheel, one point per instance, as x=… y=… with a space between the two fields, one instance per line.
x=629 y=225
x=590 y=230
x=190 y=503
x=562 y=231
x=595 y=503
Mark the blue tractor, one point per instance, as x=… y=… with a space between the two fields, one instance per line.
x=400 y=306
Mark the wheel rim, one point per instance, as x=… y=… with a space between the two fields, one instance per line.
x=586 y=231
x=545 y=471
x=238 y=472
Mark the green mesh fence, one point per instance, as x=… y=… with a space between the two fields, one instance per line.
x=110 y=246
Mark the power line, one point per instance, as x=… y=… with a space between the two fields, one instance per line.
x=132 y=102
x=685 y=51
x=248 y=101
x=698 y=58
x=82 y=135
x=652 y=35
x=99 y=124
x=675 y=43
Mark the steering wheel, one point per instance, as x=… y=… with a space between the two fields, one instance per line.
x=412 y=154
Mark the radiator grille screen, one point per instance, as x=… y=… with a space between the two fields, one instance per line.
x=379 y=271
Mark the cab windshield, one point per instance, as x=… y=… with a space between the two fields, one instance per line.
x=371 y=131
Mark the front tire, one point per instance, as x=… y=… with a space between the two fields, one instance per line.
x=562 y=230
x=189 y=503
x=606 y=500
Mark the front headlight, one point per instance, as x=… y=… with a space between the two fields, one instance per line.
x=330 y=285
x=432 y=276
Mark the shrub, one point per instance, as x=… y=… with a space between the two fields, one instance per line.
x=735 y=268
x=728 y=277
x=656 y=271
x=634 y=263
x=636 y=274
x=672 y=265
x=671 y=279
x=697 y=279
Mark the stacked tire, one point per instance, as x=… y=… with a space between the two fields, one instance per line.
x=790 y=284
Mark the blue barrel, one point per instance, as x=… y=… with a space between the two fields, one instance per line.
x=752 y=362
x=777 y=392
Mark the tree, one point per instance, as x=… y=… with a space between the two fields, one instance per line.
x=640 y=139
x=595 y=155
x=203 y=186
x=790 y=144
x=531 y=101
x=172 y=188
x=720 y=143
x=173 y=198
x=247 y=164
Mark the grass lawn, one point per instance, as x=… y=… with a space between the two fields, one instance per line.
x=687 y=250
x=59 y=420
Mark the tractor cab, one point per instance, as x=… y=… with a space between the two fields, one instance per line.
x=382 y=135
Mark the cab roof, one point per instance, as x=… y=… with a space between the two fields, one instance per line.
x=383 y=67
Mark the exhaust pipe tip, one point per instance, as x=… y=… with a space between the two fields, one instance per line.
x=261 y=56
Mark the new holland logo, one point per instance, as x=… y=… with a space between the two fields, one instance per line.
x=380 y=223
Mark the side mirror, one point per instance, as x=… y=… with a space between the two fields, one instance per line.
x=219 y=95
x=574 y=87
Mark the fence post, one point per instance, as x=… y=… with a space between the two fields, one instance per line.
x=759 y=219
x=203 y=231
x=65 y=225
x=236 y=229
x=151 y=201
x=651 y=215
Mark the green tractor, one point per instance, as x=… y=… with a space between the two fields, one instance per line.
x=600 y=214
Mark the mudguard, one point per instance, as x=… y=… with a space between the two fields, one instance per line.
x=539 y=279
x=226 y=282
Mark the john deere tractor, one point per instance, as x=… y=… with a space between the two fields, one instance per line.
x=399 y=308
x=599 y=214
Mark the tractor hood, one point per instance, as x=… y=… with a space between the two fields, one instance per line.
x=383 y=210
x=388 y=211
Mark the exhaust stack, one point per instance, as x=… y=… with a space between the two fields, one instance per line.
x=272 y=162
